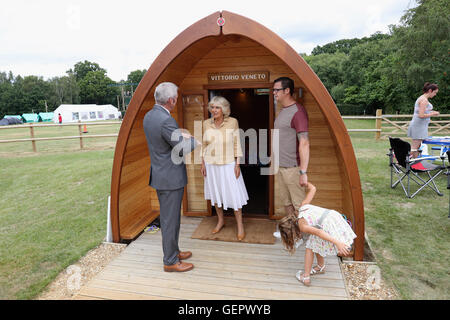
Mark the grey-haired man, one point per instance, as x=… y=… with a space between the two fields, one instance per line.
x=167 y=173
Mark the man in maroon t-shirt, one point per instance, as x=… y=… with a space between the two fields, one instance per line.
x=292 y=123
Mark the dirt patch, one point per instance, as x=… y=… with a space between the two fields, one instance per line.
x=364 y=282
x=69 y=282
x=406 y=205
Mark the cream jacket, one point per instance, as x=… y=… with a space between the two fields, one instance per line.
x=221 y=145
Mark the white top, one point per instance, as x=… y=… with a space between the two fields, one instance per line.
x=164 y=108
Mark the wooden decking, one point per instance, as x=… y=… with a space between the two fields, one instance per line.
x=222 y=270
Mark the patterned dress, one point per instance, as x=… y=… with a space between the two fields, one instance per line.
x=334 y=224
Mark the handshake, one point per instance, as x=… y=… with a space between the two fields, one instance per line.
x=186 y=135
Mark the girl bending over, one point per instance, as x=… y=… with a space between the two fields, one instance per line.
x=325 y=233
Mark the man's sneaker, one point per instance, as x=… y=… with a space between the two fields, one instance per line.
x=277 y=234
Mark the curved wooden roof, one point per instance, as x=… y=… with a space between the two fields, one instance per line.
x=188 y=45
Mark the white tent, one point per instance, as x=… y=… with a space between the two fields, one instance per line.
x=86 y=112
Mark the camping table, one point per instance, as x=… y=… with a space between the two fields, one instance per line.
x=444 y=143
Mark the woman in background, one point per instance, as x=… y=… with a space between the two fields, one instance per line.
x=423 y=110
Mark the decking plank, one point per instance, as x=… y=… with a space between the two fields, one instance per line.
x=91 y=293
x=275 y=255
x=237 y=263
x=286 y=278
x=223 y=270
x=211 y=280
x=226 y=287
x=158 y=292
x=217 y=268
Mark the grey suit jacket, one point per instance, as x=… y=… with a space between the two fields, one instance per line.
x=164 y=173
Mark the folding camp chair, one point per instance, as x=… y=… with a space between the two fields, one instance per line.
x=404 y=167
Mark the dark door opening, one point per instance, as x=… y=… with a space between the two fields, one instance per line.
x=251 y=108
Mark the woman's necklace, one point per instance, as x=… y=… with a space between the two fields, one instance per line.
x=217 y=123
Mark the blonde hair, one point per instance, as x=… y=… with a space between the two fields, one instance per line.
x=290 y=232
x=222 y=103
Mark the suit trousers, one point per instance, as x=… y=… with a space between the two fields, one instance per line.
x=170 y=216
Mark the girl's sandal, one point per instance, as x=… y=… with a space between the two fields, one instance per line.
x=300 y=277
x=318 y=270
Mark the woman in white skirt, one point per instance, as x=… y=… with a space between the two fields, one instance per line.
x=221 y=150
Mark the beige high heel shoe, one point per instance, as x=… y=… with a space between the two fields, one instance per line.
x=215 y=230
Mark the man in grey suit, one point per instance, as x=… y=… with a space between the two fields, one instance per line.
x=168 y=172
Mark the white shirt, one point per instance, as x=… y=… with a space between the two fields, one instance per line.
x=164 y=108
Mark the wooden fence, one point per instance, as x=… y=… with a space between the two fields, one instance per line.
x=81 y=129
x=385 y=125
x=397 y=125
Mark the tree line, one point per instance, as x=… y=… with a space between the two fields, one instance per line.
x=86 y=83
x=388 y=71
x=383 y=71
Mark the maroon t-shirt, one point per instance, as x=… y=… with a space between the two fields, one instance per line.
x=290 y=121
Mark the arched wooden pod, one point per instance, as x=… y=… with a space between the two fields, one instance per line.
x=239 y=45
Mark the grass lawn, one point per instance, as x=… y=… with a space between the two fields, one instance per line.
x=410 y=237
x=53 y=210
x=53 y=206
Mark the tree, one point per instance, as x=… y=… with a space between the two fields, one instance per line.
x=29 y=94
x=329 y=68
x=6 y=92
x=94 y=88
x=136 y=76
x=345 y=45
x=81 y=69
x=365 y=74
x=64 y=90
x=422 y=42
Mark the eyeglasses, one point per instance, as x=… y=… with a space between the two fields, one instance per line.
x=276 y=90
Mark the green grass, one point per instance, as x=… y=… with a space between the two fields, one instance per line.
x=410 y=237
x=53 y=210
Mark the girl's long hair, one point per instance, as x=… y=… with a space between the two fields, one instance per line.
x=290 y=232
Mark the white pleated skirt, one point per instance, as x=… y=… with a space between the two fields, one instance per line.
x=222 y=187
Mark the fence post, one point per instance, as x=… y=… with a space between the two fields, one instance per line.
x=378 y=124
x=33 y=142
x=81 y=134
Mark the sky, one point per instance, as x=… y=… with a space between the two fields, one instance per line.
x=46 y=38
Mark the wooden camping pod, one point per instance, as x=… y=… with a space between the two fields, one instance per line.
x=240 y=46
